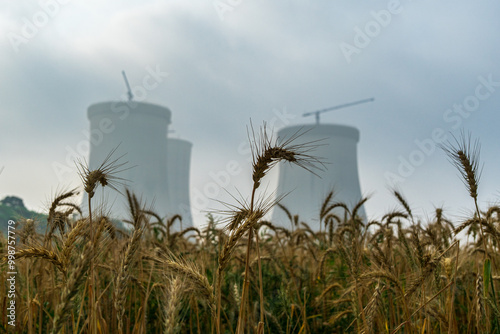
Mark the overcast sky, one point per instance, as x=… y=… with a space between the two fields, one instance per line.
x=432 y=66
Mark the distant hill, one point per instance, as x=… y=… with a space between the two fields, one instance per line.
x=12 y=208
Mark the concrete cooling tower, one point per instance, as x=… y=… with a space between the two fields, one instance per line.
x=157 y=167
x=306 y=191
x=178 y=162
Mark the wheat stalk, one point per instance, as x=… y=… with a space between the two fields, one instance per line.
x=75 y=280
x=189 y=271
x=123 y=276
x=172 y=296
x=371 y=309
x=42 y=253
x=480 y=312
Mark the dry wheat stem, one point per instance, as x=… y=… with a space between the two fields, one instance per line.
x=124 y=275
x=480 y=311
x=69 y=291
x=371 y=309
x=42 y=253
x=421 y=307
x=172 y=305
x=188 y=270
x=466 y=159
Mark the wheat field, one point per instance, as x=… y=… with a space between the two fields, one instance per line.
x=242 y=274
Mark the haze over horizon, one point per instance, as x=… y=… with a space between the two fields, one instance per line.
x=431 y=67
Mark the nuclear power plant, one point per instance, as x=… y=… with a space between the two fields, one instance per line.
x=157 y=169
x=305 y=192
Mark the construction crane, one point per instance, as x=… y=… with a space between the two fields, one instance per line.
x=317 y=112
x=129 y=91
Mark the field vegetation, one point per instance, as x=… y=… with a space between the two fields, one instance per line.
x=243 y=274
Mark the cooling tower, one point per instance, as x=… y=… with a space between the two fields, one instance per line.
x=306 y=191
x=178 y=163
x=138 y=131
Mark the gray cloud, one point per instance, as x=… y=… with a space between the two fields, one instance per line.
x=261 y=58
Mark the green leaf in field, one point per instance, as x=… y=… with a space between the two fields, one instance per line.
x=486 y=276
